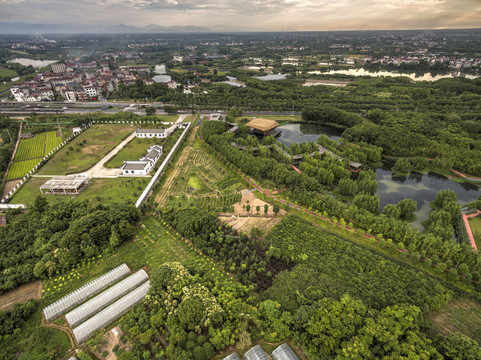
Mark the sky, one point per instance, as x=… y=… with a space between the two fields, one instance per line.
x=303 y=15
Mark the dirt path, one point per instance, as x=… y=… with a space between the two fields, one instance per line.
x=66 y=330
x=22 y=294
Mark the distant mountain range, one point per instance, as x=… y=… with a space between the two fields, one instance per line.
x=8 y=28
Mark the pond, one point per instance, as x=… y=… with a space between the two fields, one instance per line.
x=421 y=187
x=392 y=188
x=412 y=76
x=305 y=132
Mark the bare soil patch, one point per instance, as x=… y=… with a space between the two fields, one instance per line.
x=111 y=338
x=24 y=293
x=9 y=185
x=242 y=220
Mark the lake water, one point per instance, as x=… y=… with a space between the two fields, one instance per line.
x=34 y=63
x=302 y=132
x=412 y=76
x=162 y=78
x=420 y=187
x=392 y=188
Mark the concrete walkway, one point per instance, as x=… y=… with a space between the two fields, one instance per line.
x=100 y=171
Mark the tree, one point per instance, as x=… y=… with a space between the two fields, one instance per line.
x=248 y=208
x=258 y=209
x=402 y=166
x=457 y=346
x=150 y=110
x=406 y=208
x=114 y=239
x=276 y=208
x=266 y=209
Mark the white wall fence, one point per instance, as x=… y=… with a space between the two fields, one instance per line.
x=35 y=168
x=148 y=189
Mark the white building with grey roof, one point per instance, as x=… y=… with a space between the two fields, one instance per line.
x=143 y=166
x=151 y=133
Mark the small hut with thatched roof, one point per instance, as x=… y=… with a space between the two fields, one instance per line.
x=261 y=126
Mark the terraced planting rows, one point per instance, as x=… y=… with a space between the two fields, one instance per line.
x=31 y=151
x=21 y=168
x=31 y=148
x=52 y=141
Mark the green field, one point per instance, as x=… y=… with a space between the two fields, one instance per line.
x=31 y=151
x=462 y=316
x=153 y=245
x=31 y=148
x=86 y=149
x=52 y=141
x=4 y=72
x=21 y=168
x=197 y=184
x=475 y=224
x=134 y=150
x=99 y=190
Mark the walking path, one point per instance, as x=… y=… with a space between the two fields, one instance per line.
x=468 y=228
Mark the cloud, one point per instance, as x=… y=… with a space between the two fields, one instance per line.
x=255 y=14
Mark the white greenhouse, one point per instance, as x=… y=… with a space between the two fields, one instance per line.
x=94 y=305
x=88 y=290
x=284 y=352
x=109 y=314
x=256 y=353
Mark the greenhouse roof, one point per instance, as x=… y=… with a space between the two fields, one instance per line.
x=256 y=353
x=284 y=352
x=232 y=356
x=80 y=295
x=112 y=312
x=94 y=305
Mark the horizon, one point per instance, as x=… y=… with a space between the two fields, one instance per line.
x=249 y=16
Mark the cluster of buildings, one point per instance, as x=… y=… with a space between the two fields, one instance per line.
x=77 y=81
x=418 y=56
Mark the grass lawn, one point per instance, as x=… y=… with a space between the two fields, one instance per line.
x=4 y=72
x=120 y=189
x=463 y=316
x=86 y=149
x=197 y=184
x=134 y=150
x=475 y=224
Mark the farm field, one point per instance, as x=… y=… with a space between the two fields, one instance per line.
x=134 y=150
x=21 y=168
x=4 y=72
x=86 y=149
x=196 y=174
x=99 y=190
x=31 y=148
x=52 y=141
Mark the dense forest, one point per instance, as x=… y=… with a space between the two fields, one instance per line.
x=52 y=238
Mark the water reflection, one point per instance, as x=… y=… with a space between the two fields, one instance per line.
x=305 y=132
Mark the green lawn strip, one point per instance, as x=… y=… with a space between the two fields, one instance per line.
x=475 y=224
x=196 y=183
x=99 y=190
x=31 y=148
x=133 y=151
x=20 y=169
x=278 y=118
x=86 y=149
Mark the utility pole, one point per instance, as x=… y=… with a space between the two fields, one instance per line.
x=10 y=136
x=59 y=128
